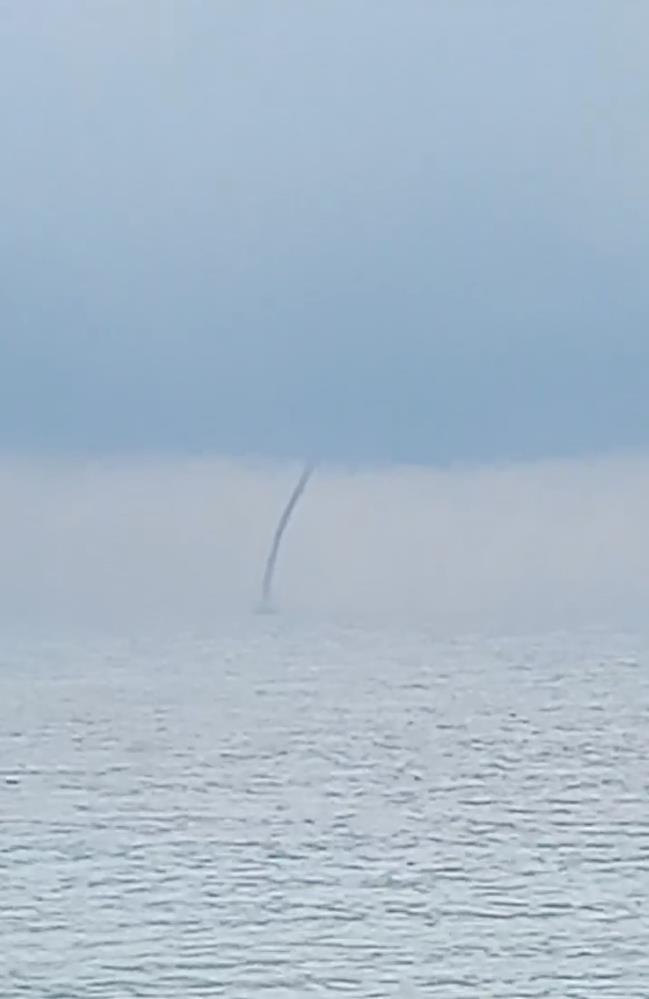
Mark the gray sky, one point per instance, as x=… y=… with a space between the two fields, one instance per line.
x=411 y=231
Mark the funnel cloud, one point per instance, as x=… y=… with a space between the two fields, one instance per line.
x=269 y=570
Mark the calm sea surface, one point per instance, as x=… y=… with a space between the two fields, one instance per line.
x=284 y=811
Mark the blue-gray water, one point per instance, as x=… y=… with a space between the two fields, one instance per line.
x=282 y=811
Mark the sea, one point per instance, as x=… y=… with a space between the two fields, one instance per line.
x=283 y=808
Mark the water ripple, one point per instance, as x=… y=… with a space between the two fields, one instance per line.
x=343 y=812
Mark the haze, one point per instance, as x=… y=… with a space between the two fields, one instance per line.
x=182 y=543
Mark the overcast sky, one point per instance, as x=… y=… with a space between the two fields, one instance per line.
x=368 y=230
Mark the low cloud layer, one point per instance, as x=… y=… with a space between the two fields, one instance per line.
x=182 y=543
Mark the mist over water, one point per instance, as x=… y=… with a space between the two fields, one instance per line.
x=182 y=542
